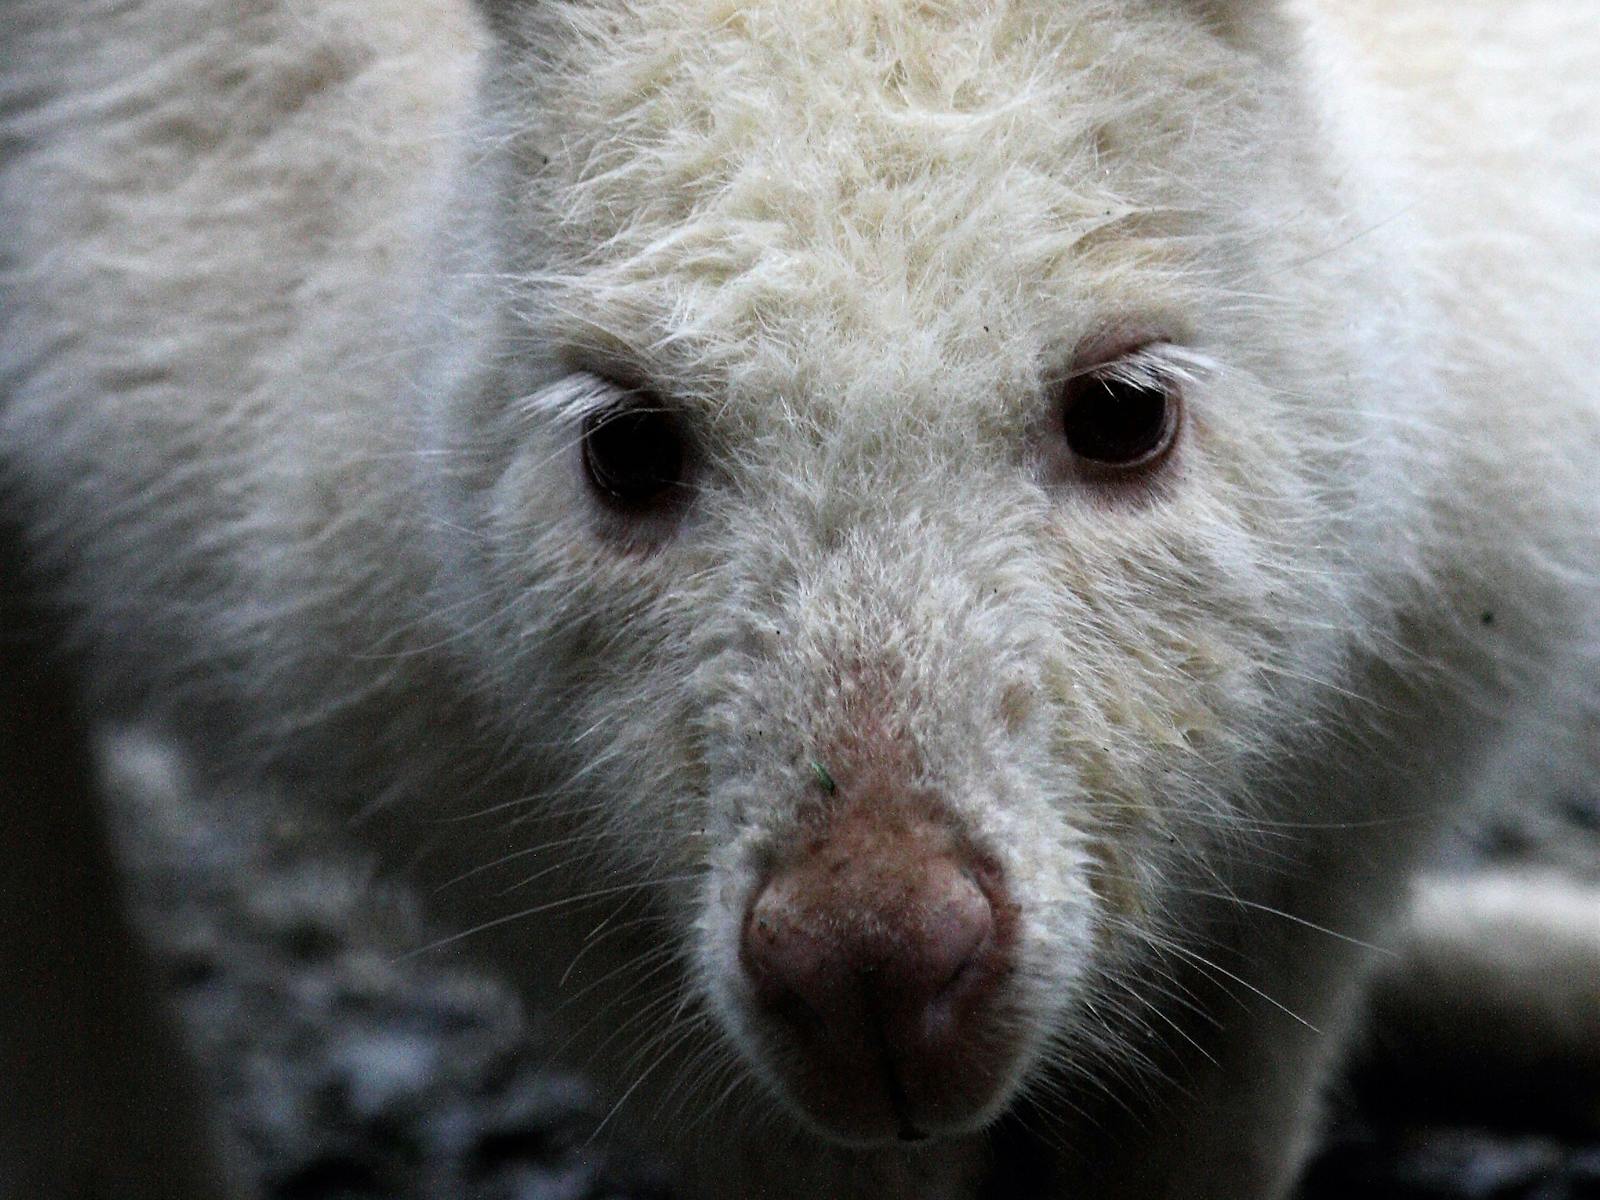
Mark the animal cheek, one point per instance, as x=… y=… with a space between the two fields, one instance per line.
x=1112 y=878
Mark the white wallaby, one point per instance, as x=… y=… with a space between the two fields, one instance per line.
x=959 y=552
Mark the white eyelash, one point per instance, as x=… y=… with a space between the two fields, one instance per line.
x=570 y=400
x=1157 y=365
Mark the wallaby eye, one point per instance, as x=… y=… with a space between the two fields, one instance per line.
x=1123 y=415
x=633 y=454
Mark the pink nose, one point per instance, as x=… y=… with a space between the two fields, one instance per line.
x=877 y=956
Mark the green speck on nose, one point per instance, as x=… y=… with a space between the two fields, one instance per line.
x=826 y=780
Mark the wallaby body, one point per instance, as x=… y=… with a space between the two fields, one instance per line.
x=935 y=794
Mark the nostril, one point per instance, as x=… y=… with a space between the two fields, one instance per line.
x=774 y=960
x=788 y=960
x=955 y=950
x=956 y=934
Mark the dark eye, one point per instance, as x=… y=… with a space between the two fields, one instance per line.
x=1124 y=415
x=633 y=453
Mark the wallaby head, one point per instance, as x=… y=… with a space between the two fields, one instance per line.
x=965 y=544
x=910 y=483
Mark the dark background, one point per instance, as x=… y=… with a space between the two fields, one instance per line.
x=348 y=1070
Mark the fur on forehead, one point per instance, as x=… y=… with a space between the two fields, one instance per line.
x=772 y=194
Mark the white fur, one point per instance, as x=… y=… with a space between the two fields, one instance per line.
x=303 y=302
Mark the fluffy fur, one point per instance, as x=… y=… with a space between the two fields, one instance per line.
x=305 y=303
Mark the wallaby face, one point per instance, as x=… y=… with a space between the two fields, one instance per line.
x=898 y=478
